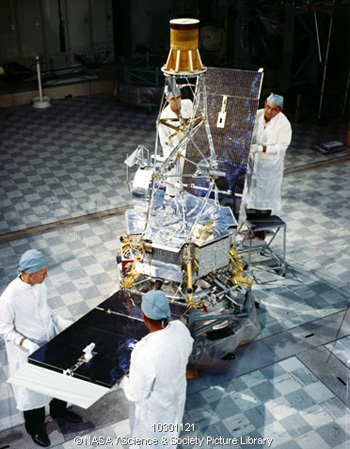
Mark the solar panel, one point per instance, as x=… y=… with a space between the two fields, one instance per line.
x=240 y=89
x=114 y=326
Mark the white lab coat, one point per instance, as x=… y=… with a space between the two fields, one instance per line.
x=156 y=386
x=24 y=312
x=265 y=170
x=169 y=139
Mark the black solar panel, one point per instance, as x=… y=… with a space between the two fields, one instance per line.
x=114 y=337
x=114 y=326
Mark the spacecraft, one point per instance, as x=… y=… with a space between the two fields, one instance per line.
x=180 y=232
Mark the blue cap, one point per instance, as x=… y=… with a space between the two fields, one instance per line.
x=277 y=99
x=155 y=305
x=32 y=261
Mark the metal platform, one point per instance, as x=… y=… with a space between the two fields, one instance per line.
x=247 y=242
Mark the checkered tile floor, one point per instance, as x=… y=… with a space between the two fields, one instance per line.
x=67 y=161
x=306 y=135
x=290 y=384
x=284 y=402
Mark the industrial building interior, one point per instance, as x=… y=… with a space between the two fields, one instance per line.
x=63 y=191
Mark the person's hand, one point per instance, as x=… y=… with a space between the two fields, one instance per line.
x=256 y=148
x=30 y=346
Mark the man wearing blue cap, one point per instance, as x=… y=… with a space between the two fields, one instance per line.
x=176 y=110
x=26 y=323
x=272 y=136
x=156 y=386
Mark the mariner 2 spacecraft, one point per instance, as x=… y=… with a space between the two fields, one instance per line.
x=180 y=232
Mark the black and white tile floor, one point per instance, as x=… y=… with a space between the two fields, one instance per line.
x=290 y=384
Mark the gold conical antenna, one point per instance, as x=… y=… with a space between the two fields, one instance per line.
x=184 y=57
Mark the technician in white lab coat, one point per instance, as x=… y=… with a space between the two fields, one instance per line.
x=173 y=114
x=26 y=323
x=272 y=136
x=156 y=385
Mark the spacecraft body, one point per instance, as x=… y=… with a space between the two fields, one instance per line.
x=180 y=234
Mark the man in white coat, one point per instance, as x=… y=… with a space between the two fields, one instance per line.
x=26 y=323
x=156 y=386
x=176 y=111
x=272 y=136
